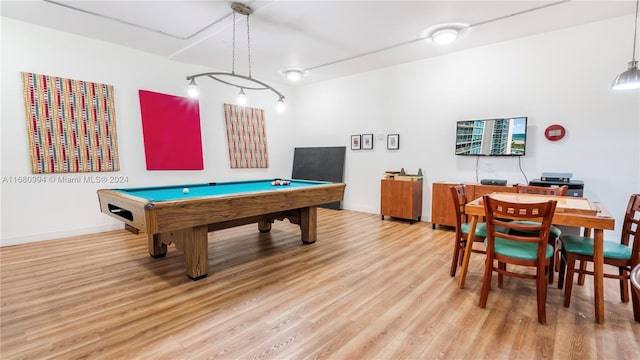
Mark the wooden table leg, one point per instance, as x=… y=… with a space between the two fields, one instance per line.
x=264 y=226
x=196 y=252
x=598 y=274
x=193 y=242
x=157 y=248
x=309 y=224
x=467 y=251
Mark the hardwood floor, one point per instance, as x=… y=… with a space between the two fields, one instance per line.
x=368 y=289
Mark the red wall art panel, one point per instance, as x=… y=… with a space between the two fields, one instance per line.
x=171 y=129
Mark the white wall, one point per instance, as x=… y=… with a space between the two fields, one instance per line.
x=560 y=77
x=32 y=212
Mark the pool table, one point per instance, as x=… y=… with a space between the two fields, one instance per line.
x=184 y=214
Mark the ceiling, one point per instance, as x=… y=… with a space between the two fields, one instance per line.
x=329 y=38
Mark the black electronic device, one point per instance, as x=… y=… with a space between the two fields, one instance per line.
x=492 y=137
x=499 y=182
x=575 y=187
x=556 y=177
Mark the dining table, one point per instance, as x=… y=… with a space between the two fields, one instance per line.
x=570 y=211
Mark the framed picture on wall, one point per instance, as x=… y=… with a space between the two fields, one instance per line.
x=393 y=141
x=356 y=142
x=367 y=141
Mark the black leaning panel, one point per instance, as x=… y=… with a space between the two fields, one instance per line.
x=320 y=163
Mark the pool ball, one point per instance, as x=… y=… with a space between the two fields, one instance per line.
x=185 y=191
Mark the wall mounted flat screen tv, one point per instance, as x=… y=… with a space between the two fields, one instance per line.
x=492 y=137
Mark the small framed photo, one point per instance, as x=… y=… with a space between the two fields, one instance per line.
x=367 y=141
x=356 y=142
x=393 y=141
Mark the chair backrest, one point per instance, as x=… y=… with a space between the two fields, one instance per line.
x=459 y=195
x=631 y=228
x=536 y=229
x=542 y=190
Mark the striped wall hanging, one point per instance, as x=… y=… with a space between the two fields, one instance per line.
x=71 y=125
x=247 y=137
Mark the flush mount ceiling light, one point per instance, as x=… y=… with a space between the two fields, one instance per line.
x=294 y=74
x=240 y=81
x=445 y=36
x=630 y=79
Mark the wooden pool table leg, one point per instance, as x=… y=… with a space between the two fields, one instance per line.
x=157 y=248
x=193 y=242
x=264 y=226
x=309 y=224
x=196 y=252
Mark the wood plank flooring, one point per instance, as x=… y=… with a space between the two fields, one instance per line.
x=367 y=289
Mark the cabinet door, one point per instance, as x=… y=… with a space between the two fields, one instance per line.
x=442 y=209
x=386 y=198
x=401 y=199
x=394 y=198
x=416 y=199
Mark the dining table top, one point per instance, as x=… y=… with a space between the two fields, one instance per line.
x=570 y=211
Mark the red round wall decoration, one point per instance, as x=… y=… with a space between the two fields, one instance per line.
x=554 y=132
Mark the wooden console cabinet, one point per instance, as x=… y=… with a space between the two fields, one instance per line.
x=442 y=210
x=401 y=199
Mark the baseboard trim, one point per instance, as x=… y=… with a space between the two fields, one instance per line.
x=35 y=237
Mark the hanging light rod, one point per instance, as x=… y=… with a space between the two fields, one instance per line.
x=214 y=76
x=242 y=82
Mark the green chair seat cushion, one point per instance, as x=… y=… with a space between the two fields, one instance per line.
x=554 y=231
x=519 y=250
x=584 y=246
x=481 y=229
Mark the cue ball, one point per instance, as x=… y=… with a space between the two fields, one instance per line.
x=185 y=191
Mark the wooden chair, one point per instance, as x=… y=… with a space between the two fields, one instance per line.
x=523 y=243
x=555 y=233
x=459 y=194
x=542 y=190
x=623 y=255
x=635 y=285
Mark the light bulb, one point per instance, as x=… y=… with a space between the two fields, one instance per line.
x=242 y=98
x=192 y=89
x=280 y=106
